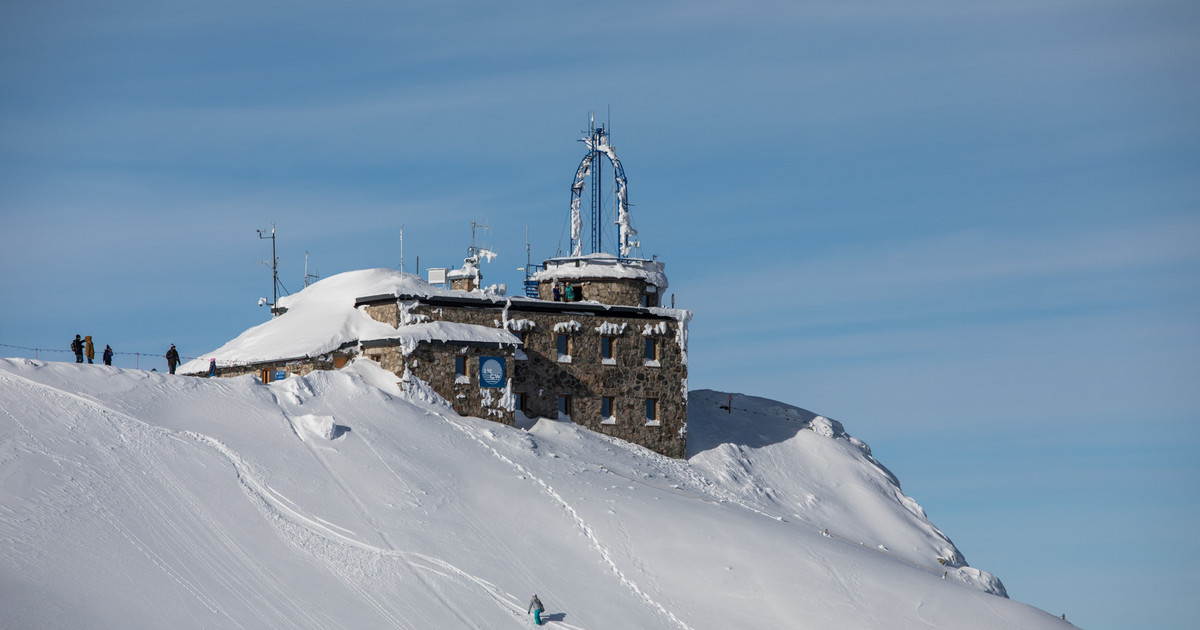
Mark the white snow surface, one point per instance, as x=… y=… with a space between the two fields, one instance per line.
x=319 y=319
x=133 y=499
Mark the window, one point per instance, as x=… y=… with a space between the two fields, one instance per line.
x=460 y=369
x=519 y=402
x=377 y=358
x=651 y=351
x=652 y=412
x=606 y=411
x=564 y=404
x=606 y=351
x=564 y=348
x=519 y=353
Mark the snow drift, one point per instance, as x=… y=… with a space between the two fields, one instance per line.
x=143 y=500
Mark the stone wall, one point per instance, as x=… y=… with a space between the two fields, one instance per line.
x=540 y=376
x=620 y=291
x=435 y=364
x=266 y=370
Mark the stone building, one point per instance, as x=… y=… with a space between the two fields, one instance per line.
x=617 y=369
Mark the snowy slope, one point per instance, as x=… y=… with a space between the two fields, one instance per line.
x=143 y=500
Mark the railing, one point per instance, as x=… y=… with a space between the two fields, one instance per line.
x=150 y=358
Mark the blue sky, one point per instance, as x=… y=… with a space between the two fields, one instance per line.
x=969 y=232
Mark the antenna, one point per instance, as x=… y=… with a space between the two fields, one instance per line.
x=531 y=286
x=309 y=278
x=402 y=249
x=274 y=270
x=590 y=175
x=473 y=250
x=598 y=137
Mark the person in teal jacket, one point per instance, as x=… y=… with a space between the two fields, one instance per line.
x=535 y=605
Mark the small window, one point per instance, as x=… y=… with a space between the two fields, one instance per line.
x=519 y=402
x=519 y=352
x=606 y=347
x=377 y=358
x=460 y=367
x=651 y=411
x=608 y=408
x=564 y=348
x=564 y=404
x=651 y=349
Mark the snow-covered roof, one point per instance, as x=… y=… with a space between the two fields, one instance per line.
x=408 y=336
x=604 y=266
x=320 y=319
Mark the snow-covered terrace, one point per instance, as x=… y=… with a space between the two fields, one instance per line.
x=604 y=265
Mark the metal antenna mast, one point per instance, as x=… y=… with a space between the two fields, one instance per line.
x=473 y=250
x=598 y=137
x=309 y=277
x=274 y=270
x=590 y=174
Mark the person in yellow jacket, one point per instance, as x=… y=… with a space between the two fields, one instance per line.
x=91 y=349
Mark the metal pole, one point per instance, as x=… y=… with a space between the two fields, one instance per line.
x=597 y=165
x=274 y=270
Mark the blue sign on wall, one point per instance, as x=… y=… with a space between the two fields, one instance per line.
x=491 y=372
x=279 y=375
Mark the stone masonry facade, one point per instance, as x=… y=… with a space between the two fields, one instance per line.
x=606 y=291
x=265 y=371
x=452 y=370
x=623 y=372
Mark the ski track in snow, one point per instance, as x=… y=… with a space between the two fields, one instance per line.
x=133 y=435
x=580 y=522
x=348 y=558
x=444 y=568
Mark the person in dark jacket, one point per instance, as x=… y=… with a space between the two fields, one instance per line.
x=535 y=605
x=107 y=356
x=172 y=359
x=77 y=348
x=557 y=293
x=212 y=367
x=90 y=349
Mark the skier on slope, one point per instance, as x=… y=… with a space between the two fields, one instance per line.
x=535 y=605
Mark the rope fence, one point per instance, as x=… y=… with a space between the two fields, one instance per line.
x=160 y=356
